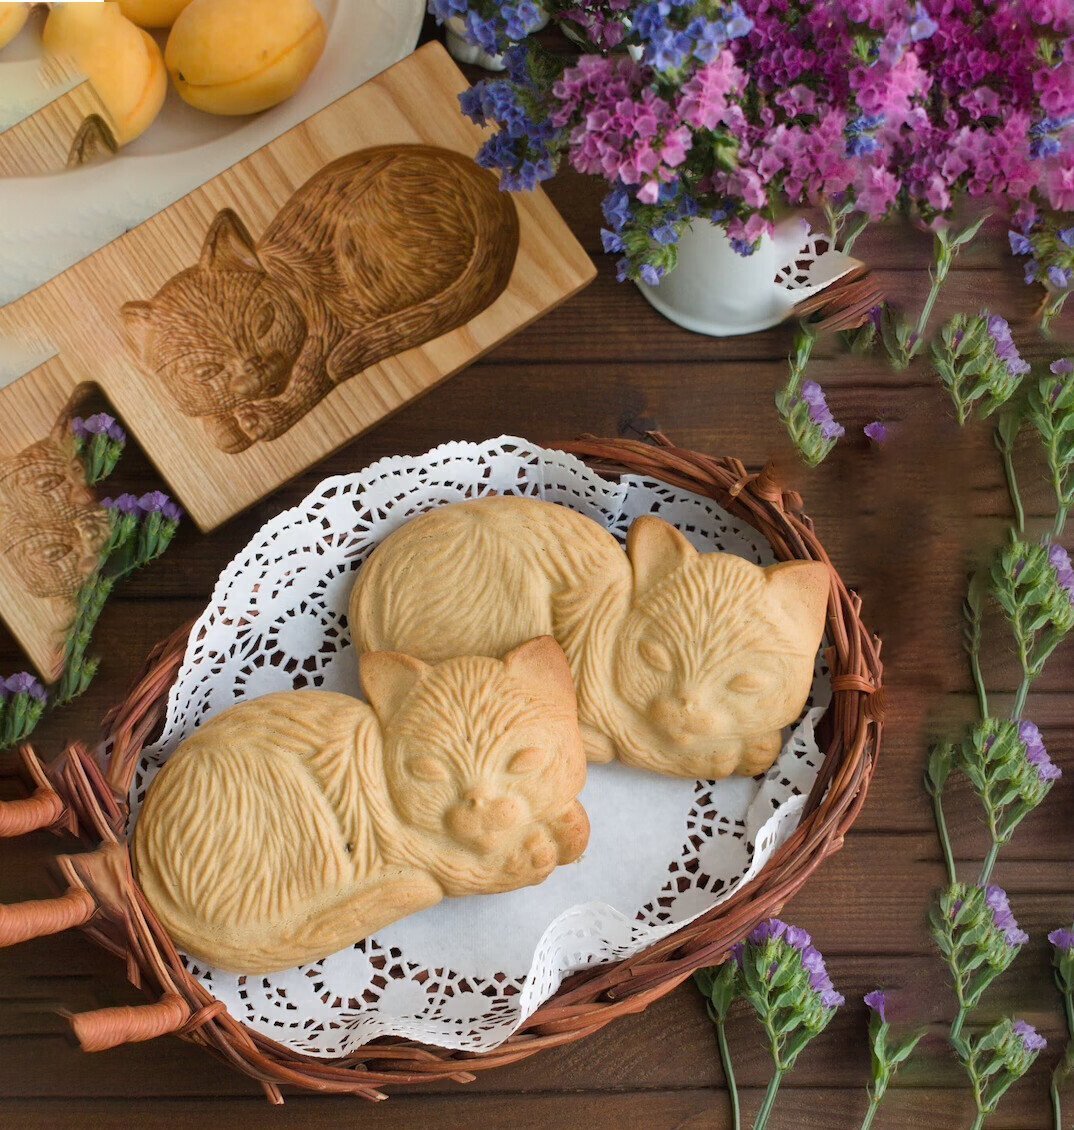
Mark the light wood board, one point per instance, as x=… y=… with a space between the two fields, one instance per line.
x=72 y=129
x=79 y=315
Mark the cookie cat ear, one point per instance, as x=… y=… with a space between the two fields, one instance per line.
x=656 y=550
x=541 y=666
x=228 y=245
x=387 y=678
x=799 y=589
x=137 y=323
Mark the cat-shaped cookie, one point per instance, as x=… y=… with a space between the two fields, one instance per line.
x=291 y=826
x=685 y=663
x=380 y=251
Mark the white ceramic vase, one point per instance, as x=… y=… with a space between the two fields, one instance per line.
x=718 y=292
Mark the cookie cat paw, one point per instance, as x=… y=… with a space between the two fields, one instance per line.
x=571 y=833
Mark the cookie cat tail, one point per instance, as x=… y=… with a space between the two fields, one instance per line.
x=21 y=921
x=106 y=1028
x=42 y=809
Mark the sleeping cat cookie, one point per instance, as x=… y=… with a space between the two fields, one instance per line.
x=685 y=663
x=291 y=826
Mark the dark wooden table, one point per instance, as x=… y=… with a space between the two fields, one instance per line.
x=903 y=524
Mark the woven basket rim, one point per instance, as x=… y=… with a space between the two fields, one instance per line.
x=94 y=805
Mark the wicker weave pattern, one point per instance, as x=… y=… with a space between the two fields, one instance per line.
x=73 y=794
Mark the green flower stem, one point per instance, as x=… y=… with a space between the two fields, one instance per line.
x=870 y=1114
x=990 y=862
x=945 y=836
x=1007 y=451
x=978 y=1122
x=1051 y=308
x=729 y=1074
x=944 y=258
x=1020 y=697
x=769 y=1098
x=974 y=650
x=1062 y=504
x=1063 y=1066
x=852 y=238
x=1057 y=1109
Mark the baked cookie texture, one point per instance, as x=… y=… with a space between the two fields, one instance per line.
x=685 y=663
x=291 y=826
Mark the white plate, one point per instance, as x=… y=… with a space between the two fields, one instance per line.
x=49 y=223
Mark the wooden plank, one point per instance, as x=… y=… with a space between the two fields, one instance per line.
x=693 y=1109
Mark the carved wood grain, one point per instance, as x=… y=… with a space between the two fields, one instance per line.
x=379 y=252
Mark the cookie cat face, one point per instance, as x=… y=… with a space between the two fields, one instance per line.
x=713 y=647
x=52 y=531
x=478 y=751
x=220 y=335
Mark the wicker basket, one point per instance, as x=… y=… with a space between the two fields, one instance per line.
x=75 y=794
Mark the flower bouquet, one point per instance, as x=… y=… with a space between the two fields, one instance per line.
x=731 y=112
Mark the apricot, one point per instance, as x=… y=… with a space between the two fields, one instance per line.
x=152 y=13
x=242 y=56
x=12 y=18
x=122 y=62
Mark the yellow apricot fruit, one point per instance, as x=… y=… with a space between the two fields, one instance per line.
x=122 y=62
x=152 y=13
x=12 y=19
x=243 y=56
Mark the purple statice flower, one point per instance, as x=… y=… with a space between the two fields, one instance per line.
x=1020 y=244
x=819 y=412
x=1036 y=754
x=877 y=431
x=443 y=10
x=124 y=504
x=1031 y=1039
x=651 y=274
x=1059 y=560
x=877 y=1001
x=1003 y=917
x=1000 y=331
x=24 y=683
x=1066 y=236
x=1059 y=277
x=923 y=25
x=819 y=981
x=99 y=424
x=1063 y=367
x=773 y=929
x=1063 y=940
x=157 y=502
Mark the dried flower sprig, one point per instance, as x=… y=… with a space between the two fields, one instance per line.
x=1063 y=968
x=1051 y=412
x=720 y=987
x=1034 y=585
x=141 y=529
x=99 y=441
x=1047 y=243
x=803 y=406
x=1011 y=773
x=997 y=1060
x=977 y=935
x=886 y=1060
x=784 y=979
x=22 y=702
x=978 y=363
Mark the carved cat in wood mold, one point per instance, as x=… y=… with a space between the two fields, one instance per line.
x=52 y=530
x=381 y=251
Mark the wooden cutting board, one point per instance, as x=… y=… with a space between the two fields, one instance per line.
x=71 y=129
x=261 y=322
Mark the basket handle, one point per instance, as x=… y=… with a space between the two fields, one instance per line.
x=21 y=921
x=106 y=1028
x=41 y=809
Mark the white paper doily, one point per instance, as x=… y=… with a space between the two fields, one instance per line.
x=465 y=973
